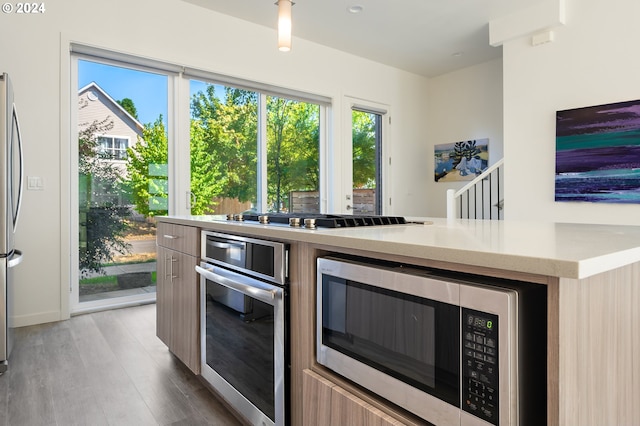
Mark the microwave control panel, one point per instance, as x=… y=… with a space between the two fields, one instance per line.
x=480 y=364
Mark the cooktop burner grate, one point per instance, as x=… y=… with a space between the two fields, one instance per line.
x=327 y=220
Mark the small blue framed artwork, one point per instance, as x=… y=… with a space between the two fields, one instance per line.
x=461 y=161
x=598 y=153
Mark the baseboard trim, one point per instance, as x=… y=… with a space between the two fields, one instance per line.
x=38 y=318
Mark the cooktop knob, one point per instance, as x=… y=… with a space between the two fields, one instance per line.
x=230 y=216
x=310 y=223
x=294 y=221
x=264 y=219
x=238 y=218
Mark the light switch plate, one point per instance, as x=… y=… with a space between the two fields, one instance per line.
x=35 y=183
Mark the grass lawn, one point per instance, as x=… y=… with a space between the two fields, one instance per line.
x=103 y=284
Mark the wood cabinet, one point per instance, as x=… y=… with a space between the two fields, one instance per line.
x=178 y=295
x=325 y=403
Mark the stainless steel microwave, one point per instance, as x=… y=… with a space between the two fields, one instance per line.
x=449 y=350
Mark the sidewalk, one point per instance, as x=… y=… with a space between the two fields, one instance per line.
x=124 y=269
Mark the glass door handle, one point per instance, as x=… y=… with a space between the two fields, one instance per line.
x=191 y=200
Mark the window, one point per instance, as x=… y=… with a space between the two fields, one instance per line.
x=113 y=148
x=238 y=165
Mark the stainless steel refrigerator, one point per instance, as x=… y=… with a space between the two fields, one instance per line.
x=11 y=177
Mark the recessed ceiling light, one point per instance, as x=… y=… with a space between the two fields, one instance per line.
x=457 y=54
x=356 y=8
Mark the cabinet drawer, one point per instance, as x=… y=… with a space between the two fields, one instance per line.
x=325 y=403
x=185 y=239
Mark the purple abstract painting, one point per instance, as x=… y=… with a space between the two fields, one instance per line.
x=598 y=153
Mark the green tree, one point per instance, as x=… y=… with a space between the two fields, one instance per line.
x=224 y=143
x=206 y=172
x=364 y=149
x=147 y=170
x=238 y=143
x=293 y=149
x=224 y=133
x=129 y=106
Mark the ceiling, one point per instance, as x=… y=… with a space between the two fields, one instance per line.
x=426 y=37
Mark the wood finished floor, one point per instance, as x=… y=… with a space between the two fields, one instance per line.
x=105 y=368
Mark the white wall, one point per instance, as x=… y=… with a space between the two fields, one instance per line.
x=592 y=61
x=462 y=105
x=34 y=50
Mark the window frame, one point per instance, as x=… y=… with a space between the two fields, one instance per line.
x=112 y=150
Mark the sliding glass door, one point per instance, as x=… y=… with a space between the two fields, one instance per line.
x=122 y=181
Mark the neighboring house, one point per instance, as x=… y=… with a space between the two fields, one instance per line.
x=95 y=105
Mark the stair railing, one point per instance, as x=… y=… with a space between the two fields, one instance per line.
x=482 y=198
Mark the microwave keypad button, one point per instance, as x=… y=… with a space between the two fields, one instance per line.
x=480 y=351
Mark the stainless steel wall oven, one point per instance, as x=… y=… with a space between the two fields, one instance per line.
x=244 y=308
x=451 y=348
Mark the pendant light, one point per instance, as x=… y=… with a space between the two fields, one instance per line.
x=284 y=25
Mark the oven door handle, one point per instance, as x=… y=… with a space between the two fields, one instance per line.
x=225 y=245
x=257 y=289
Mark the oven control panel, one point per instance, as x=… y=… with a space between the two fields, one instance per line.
x=480 y=364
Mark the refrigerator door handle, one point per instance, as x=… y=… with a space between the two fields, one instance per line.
x=20 y=186
x=16 y=259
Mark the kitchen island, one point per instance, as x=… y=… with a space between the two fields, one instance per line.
x=592 y=274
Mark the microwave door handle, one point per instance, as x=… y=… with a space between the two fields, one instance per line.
x=263 y=294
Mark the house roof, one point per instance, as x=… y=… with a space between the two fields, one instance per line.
x=115 y=104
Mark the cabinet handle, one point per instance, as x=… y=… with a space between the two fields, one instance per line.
x=173 y=260
x=170 y=237
x=167 y=260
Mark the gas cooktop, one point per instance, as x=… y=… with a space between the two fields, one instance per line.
x=316 y=220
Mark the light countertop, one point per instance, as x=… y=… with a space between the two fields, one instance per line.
x=545 y=248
